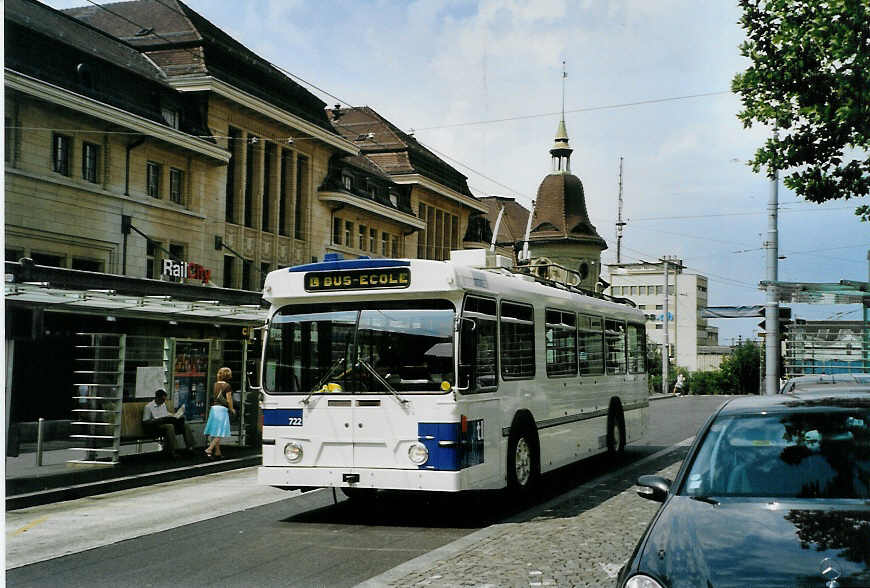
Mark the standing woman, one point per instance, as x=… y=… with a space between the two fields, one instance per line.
x=218 y=424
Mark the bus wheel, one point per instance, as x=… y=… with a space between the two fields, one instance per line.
x=360 y=495
x=522 y=468
x=615 y=430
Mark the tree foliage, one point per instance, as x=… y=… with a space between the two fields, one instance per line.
x=809 y=77
x=742 y=369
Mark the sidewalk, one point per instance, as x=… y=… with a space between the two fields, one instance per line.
x=581 y=538
x=28 y=484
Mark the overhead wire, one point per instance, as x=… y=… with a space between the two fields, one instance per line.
x=515 y=192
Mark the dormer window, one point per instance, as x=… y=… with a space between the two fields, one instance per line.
x=170 y=115
x=347 y=181
x=394 y=198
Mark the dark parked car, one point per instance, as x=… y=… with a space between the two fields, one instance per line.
x=775 y=491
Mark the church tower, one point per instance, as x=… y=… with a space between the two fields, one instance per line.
x=561 y=232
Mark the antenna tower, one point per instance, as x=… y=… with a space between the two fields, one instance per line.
x=619 y=222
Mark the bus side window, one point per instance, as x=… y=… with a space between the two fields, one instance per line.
x=468 y=353
x=478 y=356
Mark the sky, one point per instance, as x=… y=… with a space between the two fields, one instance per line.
x=480 y=84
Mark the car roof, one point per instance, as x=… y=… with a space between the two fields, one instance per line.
x=858 y=397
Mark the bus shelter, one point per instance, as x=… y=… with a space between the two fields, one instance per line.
x=826 y=347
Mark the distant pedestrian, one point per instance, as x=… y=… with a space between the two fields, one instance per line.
x=218 y=424
x=681 y=383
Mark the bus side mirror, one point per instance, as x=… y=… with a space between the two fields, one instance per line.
x=250 y=375
x=467 y=352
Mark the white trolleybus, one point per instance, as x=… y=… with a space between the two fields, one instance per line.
x=442 y=375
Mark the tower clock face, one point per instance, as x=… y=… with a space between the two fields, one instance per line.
x=583 y=270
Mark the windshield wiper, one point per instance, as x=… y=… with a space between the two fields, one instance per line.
x=323 y=380
x=706 y=499
x=371 y=370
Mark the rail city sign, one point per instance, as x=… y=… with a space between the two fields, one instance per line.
x=185 y=270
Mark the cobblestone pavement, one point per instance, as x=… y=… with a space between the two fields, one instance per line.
x=579 y=539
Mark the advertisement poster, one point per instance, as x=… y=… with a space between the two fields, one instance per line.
x=191 y=378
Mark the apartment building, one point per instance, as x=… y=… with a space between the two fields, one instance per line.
x=691 y=339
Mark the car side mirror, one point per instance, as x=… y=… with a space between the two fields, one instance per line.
x=654 y=488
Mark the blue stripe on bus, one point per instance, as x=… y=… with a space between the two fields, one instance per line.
x=282 y=417
x=349 y=264
x=449 y=448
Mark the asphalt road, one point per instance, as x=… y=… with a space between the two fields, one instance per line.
x=319 y=539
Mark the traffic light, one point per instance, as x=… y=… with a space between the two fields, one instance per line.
x=784 y=321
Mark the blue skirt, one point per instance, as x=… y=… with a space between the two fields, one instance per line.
x=218 y=424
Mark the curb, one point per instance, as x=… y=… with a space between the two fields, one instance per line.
x=74 y=491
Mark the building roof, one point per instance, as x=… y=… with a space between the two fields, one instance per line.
x=393 y=150
x=513 y=223
x=69 y=31
x=560 y=212
x=183 y=43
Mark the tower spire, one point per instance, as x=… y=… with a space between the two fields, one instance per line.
x=561 y=150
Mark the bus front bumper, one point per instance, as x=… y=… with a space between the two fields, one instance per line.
x=350 y=477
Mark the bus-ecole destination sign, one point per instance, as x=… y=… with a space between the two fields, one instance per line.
x=394 y=277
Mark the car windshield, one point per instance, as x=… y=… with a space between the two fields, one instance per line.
x=797 y=454
x=360 y=350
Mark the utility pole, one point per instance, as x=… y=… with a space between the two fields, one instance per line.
x=771 y=310
x=665 y=321
x=619 y=222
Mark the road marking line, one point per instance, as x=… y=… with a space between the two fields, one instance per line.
x=29 y=525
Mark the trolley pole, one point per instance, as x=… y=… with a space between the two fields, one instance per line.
x=771 y=310
x=667 y=339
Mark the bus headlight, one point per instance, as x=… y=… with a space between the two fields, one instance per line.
x=418 y=454
x=293 y=452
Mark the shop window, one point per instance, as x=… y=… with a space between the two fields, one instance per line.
x=230 y=204
x=229 y=262
x=517 y=340
x=246 y=274
x=336 y=231
x=152 y=177
x=90 y=157
x=266 y=210
x=176 y=185
x=176 y=253
x=614 y=341
x=88 y=265
x=48 y=259
x=60 y=153
x=250 y=155
x=560 y=332
x=283 y=204
x=590 y=345
x=264 y=273
x=150 y=259
x=440 y=235
x=301 y=188
x=348 y=233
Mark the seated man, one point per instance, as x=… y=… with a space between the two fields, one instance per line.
x=156 y=420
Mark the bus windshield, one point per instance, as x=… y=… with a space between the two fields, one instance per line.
x=336 y=349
